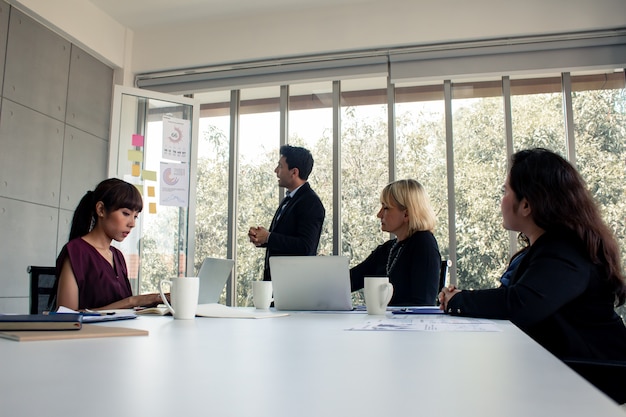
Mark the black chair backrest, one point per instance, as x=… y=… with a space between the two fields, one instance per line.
x=41 y=282
x=443 y=274
x=607 y=376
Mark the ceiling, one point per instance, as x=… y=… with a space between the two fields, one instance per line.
x=137 y=14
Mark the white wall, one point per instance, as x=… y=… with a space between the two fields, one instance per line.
x=378 y=24
x=364 y=26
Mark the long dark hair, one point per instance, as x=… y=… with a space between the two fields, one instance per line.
x=560 y=200
x=114 y=194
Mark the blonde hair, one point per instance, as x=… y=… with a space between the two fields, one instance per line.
x=409 y=195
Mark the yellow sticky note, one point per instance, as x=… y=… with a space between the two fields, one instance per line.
x=149 y=175
x=152 y=208
x=139 y=188
x=150 y=191
x=135 y=156
x=135 y=170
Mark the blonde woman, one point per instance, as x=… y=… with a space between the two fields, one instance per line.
x=411 y=260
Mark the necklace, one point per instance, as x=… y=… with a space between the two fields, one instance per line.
x=393 y=257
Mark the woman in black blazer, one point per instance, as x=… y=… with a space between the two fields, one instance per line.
x=411 y=260
x=569 y=279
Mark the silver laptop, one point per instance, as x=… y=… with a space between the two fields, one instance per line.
x=311 y=283
x=213 y=274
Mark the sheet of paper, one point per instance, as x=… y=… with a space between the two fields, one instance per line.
x=222 y=311
x=434 y=323
x=101 y=315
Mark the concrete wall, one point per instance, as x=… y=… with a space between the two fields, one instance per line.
x=54 y=131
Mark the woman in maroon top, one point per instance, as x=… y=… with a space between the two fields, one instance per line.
x=92 y=274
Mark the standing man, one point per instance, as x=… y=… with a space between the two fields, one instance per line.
x=297 y=224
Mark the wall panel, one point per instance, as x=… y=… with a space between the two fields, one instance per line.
x=31 y=166
x=89 y=94
x=4 y=28
x=82 y=153
x=37 y=65
x=30 y=237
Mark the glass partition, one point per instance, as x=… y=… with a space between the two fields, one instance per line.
x=151 y=147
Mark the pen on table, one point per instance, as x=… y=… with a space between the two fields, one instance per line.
x=85 y=313
x=97 y=313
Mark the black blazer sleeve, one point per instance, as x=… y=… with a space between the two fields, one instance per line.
x=552 y=273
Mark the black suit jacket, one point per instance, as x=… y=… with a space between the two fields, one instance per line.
x=558 y=297
x=298 y=230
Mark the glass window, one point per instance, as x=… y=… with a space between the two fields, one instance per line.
x=212 y=179
x=258 y=194
x=311 y=126
x=364 y=165
x=421 y=148
x=599 y=107
x=479 y=173
x=537 y=114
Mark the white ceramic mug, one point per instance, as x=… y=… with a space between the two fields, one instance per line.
x=184 y=296
x=378 y=292
x=262 y=294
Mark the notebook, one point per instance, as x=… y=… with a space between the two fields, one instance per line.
x=213 y=274
x=311 y=283
x=40 y=321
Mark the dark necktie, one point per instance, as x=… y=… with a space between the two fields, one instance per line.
x=283 y=205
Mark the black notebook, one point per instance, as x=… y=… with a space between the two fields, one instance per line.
x=40 y=322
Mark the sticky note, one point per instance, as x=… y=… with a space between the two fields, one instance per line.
x=135 y=156
x=140 y=188
x=137 y=140
x=152 y=208
x=135 y=170
x=149 y=175
x=151 y=191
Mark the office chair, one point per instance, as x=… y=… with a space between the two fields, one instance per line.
x=443 y=275
x=41 y=282
x=607 y=376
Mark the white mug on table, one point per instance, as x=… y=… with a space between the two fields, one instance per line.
x=183 y=295
x=262 y=294
x=378 y=292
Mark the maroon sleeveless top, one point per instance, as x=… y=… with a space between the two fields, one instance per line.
x=99 y=284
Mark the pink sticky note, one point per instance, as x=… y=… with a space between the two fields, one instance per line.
x=137 y=140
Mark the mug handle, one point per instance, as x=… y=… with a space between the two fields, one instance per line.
x=388 y=288
x=165 y=281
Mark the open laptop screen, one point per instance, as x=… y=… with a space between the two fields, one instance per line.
x=311 y=283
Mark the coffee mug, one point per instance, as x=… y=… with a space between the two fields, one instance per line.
x=378 y=292
x=262 y=294
x=183 y=295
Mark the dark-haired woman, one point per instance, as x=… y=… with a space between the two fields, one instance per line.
x=92 y=274
x=565 y=288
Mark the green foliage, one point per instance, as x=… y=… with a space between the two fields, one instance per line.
x=480 y=167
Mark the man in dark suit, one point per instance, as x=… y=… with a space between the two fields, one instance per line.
x=297 y=223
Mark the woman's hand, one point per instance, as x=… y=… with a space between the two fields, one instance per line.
x=143 y=300
x=147 y=300
x=445 y=295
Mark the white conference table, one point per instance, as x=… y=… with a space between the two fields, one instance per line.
x=305 y=364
